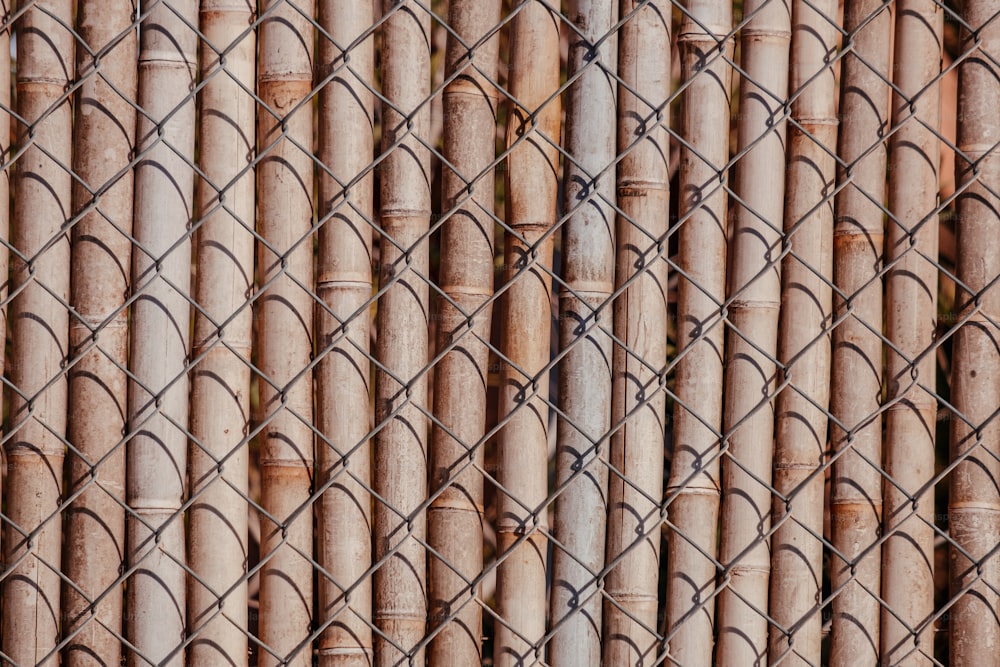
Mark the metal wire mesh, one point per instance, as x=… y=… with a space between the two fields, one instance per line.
x=607 y=332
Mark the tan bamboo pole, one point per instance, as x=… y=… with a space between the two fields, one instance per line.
x=5 y=171
x=754 y=294
x=104 y=139
x=803 y=341
x=584 y=317
x=974 y=501
x=455 y=522
x=285 y=323
x=220 y=383
x=692 y=543
x=531 y=188
x=40 y=323
x=636 y=485
x=402 y=344
x=911 y=313
x=856 y=383
x=344 y=283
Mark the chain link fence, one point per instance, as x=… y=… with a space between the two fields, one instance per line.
x=500 y=332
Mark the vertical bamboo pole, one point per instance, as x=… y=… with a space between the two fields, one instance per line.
x=40 y=321
x=692 y=544
x=401 y=347
x=911 y=313
x=5 y=145
x=344 y=283
x=284 y=321
x=455 y=523
x=102 y=251
x=585 y=316
x=531 y=187
x=856 y=384
x=974 y=502
x=804 y=343
x=161 y=274
x=636 y=486
x=220 y=383
x=755 y=284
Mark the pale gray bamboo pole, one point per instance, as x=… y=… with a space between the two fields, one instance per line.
x=803 y=341
x=856 y=382
x=531 y=190
x=344 y=283
x=285 y=326
x=455 y=518
x=585 y=316
x=220 y=383
x=402 y=344
x=755 y=290
x=40 y=335
x=974 y=500
x=640 y=312
x=911 y=314
x=161 y=275
x=98 y=388
x=692 y=544
x=5 y=172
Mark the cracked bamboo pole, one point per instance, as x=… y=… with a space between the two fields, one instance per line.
x=974 y=501
x=344 y=283
x=220 y=383
x=104 y=140
x=158 y=393
x=643 y=189
x=402 y=345
x=804 y=342
x=755 y=291
x=911 y=314
x=585 y=316
x=285 y=326
x=455 y=517
x=40 y=335
x=692 y=542
x=531 y=190
x=856 y=382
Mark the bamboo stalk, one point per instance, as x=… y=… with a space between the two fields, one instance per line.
x=101 y=261
x=40 y=323
x=220 y=383
x=911 y=303
x=636 y=485
x=455 y=522
x=692 y=544
x=285 y=324
x=804 y=342
x=158 y=394
x=531 y=187
x=755 y=284
x=344 y=283
x=402 y=344
x=856 y=384
x=5 y=171
x=585 y=317
x=974 y=502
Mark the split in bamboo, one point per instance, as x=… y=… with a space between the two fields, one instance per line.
x=220 y=382
x=400 y=478
x=344 y=284
x=40 y=336
x=755 y=290
x=161 y=277
x=640 y=321
x=98 y=388
x=455 y=517
x=585 y=319
x=692 y=543
x=531 y=187
x=284 y=329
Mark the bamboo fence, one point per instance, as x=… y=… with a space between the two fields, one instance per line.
x=500 y=332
